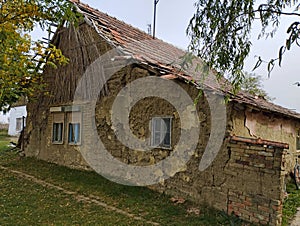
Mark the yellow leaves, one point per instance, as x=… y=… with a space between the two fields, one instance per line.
x=21 y=60
x=19 y=13
x=55 y=56
x=38 y=48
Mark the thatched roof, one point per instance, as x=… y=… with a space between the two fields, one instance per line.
x=164 y=57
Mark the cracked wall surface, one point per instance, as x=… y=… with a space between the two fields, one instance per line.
x=251 y=123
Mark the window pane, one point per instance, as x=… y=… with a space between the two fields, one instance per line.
x=167 y=140
x=19 y=124
x=168 y=124
x=156 y=139
x=166 y=135
x=57 y=132
x=298 y=140
x=161 y=132
x=157 y=122
x=77 y=132
x=74 y=133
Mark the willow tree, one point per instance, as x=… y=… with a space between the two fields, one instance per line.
x=220 y=32
x=21 y=58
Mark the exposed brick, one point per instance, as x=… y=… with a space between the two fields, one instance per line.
x=261 y=217
x=236 y=165
x=261 y=165
x=264 y=209
x=268 y=171
x=270 y=159
x=264 y=153
x=264 y=222
x=254 y=219
x=258 y=148
x=247 y=203
x=276 y=208
x=256 y=156
x=242 y=162
x=247 y=213
x=275 y=202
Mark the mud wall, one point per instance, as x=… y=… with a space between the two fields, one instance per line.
x=251 y=123
x=250 y=187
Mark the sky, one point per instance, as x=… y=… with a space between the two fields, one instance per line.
x=172 y=20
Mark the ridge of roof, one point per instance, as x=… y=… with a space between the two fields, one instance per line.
x=160 y=54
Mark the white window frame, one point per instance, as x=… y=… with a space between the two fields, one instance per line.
x=19 y=124
x=160 y=132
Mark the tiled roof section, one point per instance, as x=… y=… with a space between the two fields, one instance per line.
x=119 y=32
x=260 y=103
x=164 y=56
x=135 y=41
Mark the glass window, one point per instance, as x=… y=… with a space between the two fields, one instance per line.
x=57 y=134
x=298 y=140
x=19 y=124
x=58 y=128
x=161 y=132
x=74 y=133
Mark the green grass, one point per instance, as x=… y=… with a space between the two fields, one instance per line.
x=4 y=140
x=291 y=203
x=24 y=202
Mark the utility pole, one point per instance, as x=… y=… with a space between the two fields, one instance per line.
x=154 y=20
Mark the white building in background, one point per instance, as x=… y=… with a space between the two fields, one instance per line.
x=16 y=115
x=4 y=118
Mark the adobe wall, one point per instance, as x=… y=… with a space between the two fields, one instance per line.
x=256 y=187
x=251 y=123
x=82 y=46
x=244 y=179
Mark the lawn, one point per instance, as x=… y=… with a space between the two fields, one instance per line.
x=24 y=202
x=291 y=204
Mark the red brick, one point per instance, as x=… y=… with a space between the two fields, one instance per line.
x=265 y=209
x=247 y=203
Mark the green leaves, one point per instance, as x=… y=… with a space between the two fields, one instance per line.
x=252 y=84
x=21 y=59
x=258 y=63
x=220 y=32
x=281 y=52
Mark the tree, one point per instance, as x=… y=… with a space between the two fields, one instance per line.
x=21 y=59
x=252 y=83
x=220 y=32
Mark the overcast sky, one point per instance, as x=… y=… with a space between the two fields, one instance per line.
x=172 y=20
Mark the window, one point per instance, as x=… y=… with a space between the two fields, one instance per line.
x=74 y=128
x=161 y=132
x=298 y=140
x=74 y=133
x=19 y=124
x=57 y=135
x=58 y=128
x=66 y=125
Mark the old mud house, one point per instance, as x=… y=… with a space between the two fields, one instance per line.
x=258 y=149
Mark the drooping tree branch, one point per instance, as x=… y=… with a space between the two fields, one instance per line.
x=220 y=32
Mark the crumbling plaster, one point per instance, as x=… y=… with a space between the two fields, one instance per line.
x=248 y=122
